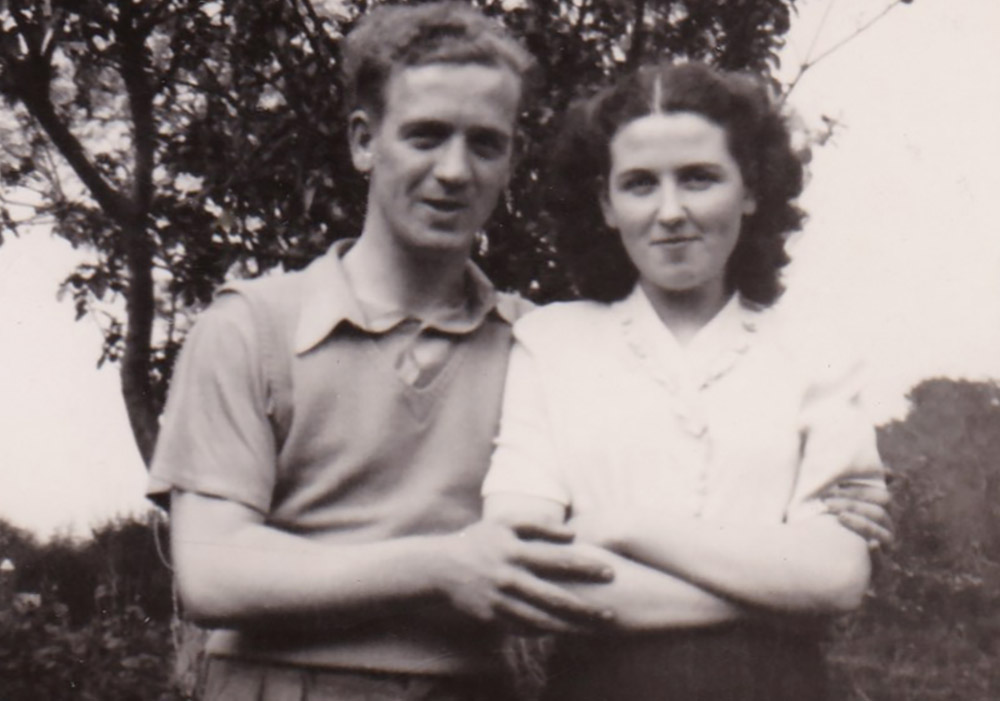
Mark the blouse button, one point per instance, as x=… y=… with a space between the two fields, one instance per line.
x=693 y=426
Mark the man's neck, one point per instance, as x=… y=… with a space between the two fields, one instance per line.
x=415 y=282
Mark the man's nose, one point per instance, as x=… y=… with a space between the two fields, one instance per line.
x=453 y=164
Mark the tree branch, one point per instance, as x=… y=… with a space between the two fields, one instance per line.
x=118 y=207
x=154 y=16
x=312 y=34
x=861 y=30
x=30 y=32
x=583 y=8
x=809 y=63
x=638 y=46
x=56 y=28
x=140 y=305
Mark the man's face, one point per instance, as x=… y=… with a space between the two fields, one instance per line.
x=440 y=155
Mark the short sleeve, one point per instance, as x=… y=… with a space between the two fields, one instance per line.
x=838 y=438
x=525 y=460
x=216 y=436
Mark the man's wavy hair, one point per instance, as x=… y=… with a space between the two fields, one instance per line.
x=395 y=36
x=758 y=139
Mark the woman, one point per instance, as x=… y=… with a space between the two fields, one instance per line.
x=669 y=418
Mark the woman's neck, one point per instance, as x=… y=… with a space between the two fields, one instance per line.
x=686 y=312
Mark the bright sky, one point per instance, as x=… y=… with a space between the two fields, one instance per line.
x=903 y=242
x=902 y=246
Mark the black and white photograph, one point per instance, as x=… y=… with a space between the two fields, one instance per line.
x=499 y=350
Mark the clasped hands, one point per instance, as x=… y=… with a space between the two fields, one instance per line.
x=511 y=574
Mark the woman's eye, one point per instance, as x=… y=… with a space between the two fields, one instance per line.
x=639 y=184
x=699 y=179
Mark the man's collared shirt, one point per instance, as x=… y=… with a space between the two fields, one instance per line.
x=419 y=345
x=288 y=399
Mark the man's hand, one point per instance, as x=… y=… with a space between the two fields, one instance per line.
x=498 y=572
x=860 y=506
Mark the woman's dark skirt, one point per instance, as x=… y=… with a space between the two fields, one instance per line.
x=733 y=663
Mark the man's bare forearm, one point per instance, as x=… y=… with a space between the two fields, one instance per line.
x=234 y=570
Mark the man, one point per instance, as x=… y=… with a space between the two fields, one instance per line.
x=328 y=430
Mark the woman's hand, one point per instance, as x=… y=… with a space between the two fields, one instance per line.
x=860 y=506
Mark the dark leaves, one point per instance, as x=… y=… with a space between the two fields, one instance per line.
x=932 y=630
x=252 y=168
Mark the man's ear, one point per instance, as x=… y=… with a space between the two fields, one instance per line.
x=749 y=205
x=360 y=134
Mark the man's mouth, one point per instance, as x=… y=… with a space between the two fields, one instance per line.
x=445 y=206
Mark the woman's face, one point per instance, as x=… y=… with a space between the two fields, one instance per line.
x=676 y=196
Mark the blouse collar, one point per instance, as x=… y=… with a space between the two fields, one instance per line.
x=709 y=355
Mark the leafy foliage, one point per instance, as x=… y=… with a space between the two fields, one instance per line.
x=209 y=140
x=186 y=141
x=100 y=628
x=119 y=566
x=109 y=658
x=930 y=630
x=932 y=627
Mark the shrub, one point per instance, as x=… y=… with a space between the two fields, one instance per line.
x=101 y=628
x=121 y=657
x=931 y=629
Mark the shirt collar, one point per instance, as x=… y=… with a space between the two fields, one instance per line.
x=736 y=318
x=329 y=300
x=730 y=328
x=708 y=356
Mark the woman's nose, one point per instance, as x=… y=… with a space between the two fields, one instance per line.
x=671 y=211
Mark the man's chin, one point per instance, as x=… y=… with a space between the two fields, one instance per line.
x=444 y=240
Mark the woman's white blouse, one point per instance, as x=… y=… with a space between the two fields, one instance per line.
x=605 y=410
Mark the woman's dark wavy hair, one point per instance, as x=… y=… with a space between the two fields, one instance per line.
x=758 y=139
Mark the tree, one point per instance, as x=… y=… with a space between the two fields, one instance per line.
x=100 y=627
x=935 y=630
x=208 y=140
x=184 y=142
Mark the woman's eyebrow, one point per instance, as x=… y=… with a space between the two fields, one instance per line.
x=705 y=165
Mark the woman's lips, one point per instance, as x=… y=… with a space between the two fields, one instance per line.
x=674 y=241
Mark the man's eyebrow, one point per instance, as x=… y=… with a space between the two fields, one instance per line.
x=433 y=126
x=491 y=133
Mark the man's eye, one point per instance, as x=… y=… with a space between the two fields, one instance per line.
x=488 y=146
x=424 y=141
x=425 y=135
